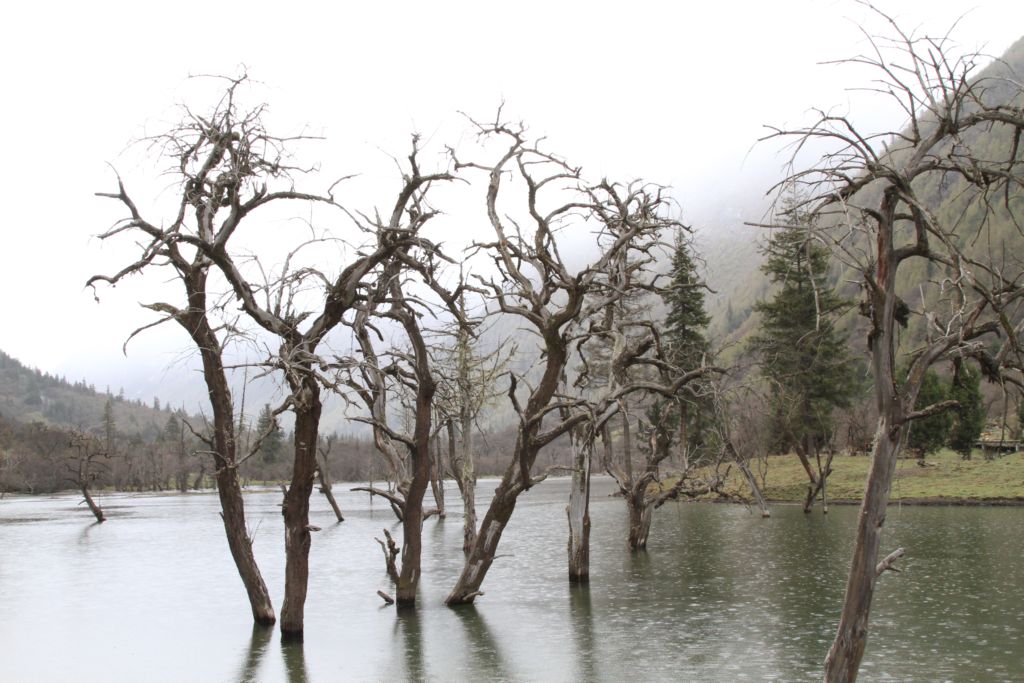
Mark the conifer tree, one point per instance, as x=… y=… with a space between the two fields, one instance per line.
x=271 y=447
x=969 y=416
x=802 y=354
x=109 y=427
x=684 y=333
x=929 y=434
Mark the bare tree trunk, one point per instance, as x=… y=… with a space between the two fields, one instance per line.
x=412 y=532
x=226 y=472
x=437 y=476
x=327 y=489
x=390 y=550
x=92 y=504
x=823 y=472
x=481 y=555
x=578 y=511
x=640 y=515
x=422 y=463
x=627 y=446
x=465 y=477
x=762 y=504
x=297 y=541
x=515 y=480
x=240 y=545
x=845 y=655
x=813 y=485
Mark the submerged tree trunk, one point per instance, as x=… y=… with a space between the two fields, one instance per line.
x=412 y=532
x=823 y=473
x=845 y=655
x=481 y=555
x=813 y=485
x=437 y=477
x=516 y=478
x=240 y=545
x=762 y=504
x=327 y=488
x=297 y=540
x=640 y=514
x=464 y=472
x=225 y=457
x=93 y=507
x=846 y=652
x=578 y=511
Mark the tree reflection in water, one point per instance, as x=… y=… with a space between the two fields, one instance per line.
x=254 y=655
x=583 y=631
x=488 y=661
x=294 y=661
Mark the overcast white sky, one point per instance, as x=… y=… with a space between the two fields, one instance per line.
x=672 y=91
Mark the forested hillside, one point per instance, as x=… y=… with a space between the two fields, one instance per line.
x=733 y=263
x=29 y=395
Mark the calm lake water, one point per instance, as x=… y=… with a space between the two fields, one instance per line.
x=152 y=595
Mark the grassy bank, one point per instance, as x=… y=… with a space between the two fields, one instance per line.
x=945 y=478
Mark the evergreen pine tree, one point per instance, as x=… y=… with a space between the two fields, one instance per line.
x=684 y=332
x=969 y=416
x=271 y=447
x=109 y=426
x=801 y=353
x=686 y=317
x=172 y=429
x=929 y=434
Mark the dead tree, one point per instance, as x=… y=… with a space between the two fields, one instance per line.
x=86 y=458
x=639 y=371
x=741 y=435
x=467 y=382
x=410 y=371
x=199 y=148
x=437 y=470
x=324 y=473
x=300 y=333
x=228 y=163
x=962 y=133
x=535 y=285
x=369 y=380
x=641 y=487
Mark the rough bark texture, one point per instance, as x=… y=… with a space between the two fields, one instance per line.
x=465 y=477
x=516 y=478
x=640 y=515
x=481 y=555
x=437 y=477
x=297 y=540
x=412 y=525
x=845 y=655
x=578 y=511
x=226 y=473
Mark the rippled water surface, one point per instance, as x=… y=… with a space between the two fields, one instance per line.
x=152 y=595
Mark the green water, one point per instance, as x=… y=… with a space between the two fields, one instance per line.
x=721 y=594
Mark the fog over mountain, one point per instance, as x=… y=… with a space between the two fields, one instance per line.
x=674 y=94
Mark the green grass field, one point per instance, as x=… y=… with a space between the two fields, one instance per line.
x=945 y=478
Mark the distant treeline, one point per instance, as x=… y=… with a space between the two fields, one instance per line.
x=49 y=427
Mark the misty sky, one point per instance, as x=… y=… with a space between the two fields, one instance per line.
x=674 y=92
